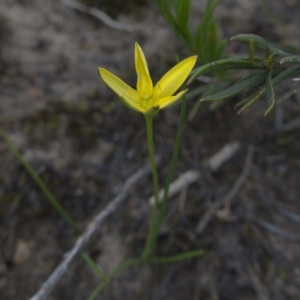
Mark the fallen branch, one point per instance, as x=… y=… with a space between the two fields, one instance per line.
x=230 y=196
x=191 y=176
x=103 y=17
x=61 y=269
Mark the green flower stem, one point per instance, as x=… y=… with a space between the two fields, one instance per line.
x=163 y=207
x=151 y=233
x=126 y=264
x=156 y=221
x=149 y=125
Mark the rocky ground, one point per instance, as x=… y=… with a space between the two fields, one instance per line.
x=84 y=145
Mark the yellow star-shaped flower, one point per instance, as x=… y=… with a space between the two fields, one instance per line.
x=147 y=98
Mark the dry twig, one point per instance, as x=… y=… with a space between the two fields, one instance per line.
x=61 y=269
x=191 y=176
x=98 y=14
x=230 y=196
x=277 y=231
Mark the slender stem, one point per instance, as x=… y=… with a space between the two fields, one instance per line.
x=149 y=125
x=94 y=266
x=163 y=207
x=175 y=258
x=126 y=264
x=40 y=183
x=148 y=250
x=53 y=201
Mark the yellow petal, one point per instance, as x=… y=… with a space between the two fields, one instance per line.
x=144 y=82
x=173 y=79
x=170 y=100
x=128 y=95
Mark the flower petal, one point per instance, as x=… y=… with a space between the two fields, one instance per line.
x=173 y=79
x=128 y=95
x=170 y=100
x=144 y=82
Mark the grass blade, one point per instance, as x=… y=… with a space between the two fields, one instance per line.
x=270 y=92
x=236 y=88
x=176 y=258
x=223 y=65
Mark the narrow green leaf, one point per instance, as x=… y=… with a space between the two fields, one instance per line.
x=252 y=100
x=212 y=40
x=270 y=92
x=291 y=59
x=288 y=94
x=165 y=9
x=250 y=97
x=259 y=42
x=220 y=49
x=40 y=183
x=224 y=64
x=194 y=110
x=202 y=36
x=285 y=74
x=183 y=14
x=195 y=92
x=236 y=88
x=251 y=51
x=175 y=258
x=200 y=43
x=126 y=264
x=208 y=14
x=177 y=7
x=216 y=104
x=94 y=266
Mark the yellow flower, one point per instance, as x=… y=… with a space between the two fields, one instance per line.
x=146 y=98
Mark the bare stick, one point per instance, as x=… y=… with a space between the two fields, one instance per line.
x=61 y=269
x=103 y=17
x=230 y=196
x=277 y=231
x=191 y=176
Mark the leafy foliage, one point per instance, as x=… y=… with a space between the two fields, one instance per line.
x=269 y=71
x=204 y=41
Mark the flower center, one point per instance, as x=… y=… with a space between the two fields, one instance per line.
x=146 y=102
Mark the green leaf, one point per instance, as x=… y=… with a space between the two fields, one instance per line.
x=286 y=74
x=175 y=258
x=291 y=59
x=251 y=51
x=288 y=94
x=183 y=13
x=251 y=100
x=194 y=110
x=216 y=104
x=259 y=42
x=236 y=88
x=250 y=97
x=202 y=36
x=212 y=40
x=220 y=49
x=164 y=8
x=223 y=64
x=126 y=264
x=270 y=92
x=200 y=43
x=95 y=267
x=210 y=7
